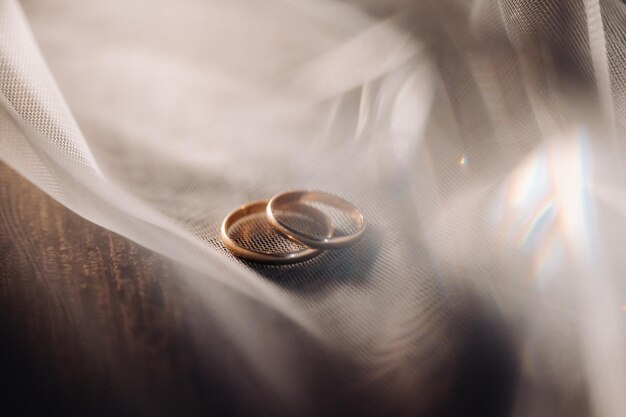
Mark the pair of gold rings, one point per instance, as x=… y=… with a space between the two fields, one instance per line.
x=292 y=227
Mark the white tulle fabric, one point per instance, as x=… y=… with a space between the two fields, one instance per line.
x=483 y=140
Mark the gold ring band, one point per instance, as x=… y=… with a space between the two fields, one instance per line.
x=262 y=256
x=302 y=198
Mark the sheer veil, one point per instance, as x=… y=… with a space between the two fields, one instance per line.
x=483 y=140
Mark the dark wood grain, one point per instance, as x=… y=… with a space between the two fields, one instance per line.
x=90 y=323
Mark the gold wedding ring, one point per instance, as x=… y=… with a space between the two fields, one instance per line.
x=291 y=227
x=260 y=243
x=282 y=202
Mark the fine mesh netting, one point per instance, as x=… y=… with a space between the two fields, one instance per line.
x=341 y=220
x=483 y=140
x=306 y=219
x=254 y=232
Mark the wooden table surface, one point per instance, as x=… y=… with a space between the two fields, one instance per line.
x=90 y=323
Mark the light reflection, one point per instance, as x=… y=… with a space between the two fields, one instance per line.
x=546 y=213
x=544 y=210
